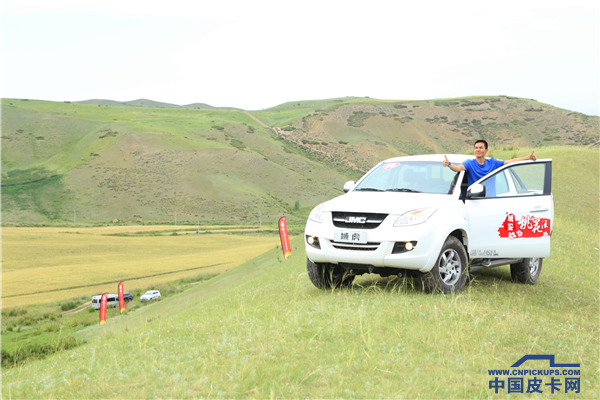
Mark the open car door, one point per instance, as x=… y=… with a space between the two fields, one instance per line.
x=513 y=216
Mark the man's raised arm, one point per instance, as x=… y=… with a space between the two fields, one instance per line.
x=453 y=167
x=531 y=157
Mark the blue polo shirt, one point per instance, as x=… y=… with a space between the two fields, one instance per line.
x=476 y=171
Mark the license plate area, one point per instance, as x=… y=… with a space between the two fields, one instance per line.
x=348 y=236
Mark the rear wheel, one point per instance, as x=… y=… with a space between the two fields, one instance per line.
x=527 y=271
x=449 y=274
x=325 y=275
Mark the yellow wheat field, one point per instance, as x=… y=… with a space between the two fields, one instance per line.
x=43 y=265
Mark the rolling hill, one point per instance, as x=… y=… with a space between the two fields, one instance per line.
x=146 y=161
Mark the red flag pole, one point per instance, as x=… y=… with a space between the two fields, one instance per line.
x=285 y=239
x=121 y=299
x=103 y=308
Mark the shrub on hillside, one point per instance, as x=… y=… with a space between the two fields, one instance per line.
x=108 y=133
x=17 y=311
x=357 y=119
x=445 y=103
x=37 y=351
x=238 y=144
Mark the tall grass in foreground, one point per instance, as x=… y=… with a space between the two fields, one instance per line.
x=262 y=330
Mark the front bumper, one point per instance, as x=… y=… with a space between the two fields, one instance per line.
x=378 y=251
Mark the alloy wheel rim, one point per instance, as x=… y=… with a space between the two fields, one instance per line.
x=450 y=267
x=534 y=265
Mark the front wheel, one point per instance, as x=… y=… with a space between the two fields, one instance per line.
x=449 y=274
x=325 y=275
x=526 y=271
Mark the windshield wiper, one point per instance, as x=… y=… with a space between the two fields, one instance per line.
x=403 y=190
x=368 y=190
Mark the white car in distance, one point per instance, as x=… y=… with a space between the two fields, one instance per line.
x=410 y=216
x=112 y=300
x=150 y=295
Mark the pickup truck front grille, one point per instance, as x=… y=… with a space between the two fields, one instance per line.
x=371 y=246
x=351 y=220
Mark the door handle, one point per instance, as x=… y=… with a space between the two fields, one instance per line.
x=538 y=209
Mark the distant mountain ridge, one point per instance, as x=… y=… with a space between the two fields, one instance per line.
x=150 y=104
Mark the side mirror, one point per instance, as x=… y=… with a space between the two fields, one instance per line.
x=476 y=191
x=348 y=186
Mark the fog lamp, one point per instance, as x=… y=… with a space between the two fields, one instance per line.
x=313 y=241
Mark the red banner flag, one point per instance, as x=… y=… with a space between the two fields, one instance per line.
x=285 y=239
x=121 y=298
x=103 y=308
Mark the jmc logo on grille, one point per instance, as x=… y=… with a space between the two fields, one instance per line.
x=356 y=220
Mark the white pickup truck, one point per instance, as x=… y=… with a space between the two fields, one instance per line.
x=410 y=216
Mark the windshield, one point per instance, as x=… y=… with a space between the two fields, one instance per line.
x=148 y=293
x=409 y=176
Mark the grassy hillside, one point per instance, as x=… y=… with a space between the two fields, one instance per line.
x=147 y=161
x=262 y=330
x=359 y=132
x=107 y=163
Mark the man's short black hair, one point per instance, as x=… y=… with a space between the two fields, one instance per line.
x=481 y=141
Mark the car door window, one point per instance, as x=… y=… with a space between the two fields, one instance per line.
x=528 y=179
x=502 y=188
x=519 y=180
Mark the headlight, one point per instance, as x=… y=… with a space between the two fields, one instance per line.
x=317 y=214
x=415 y=217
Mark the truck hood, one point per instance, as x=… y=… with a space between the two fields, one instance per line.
x=385 y=202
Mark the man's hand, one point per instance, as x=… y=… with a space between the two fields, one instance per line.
x=454 y=167
x=446 y=162
x=532 y=156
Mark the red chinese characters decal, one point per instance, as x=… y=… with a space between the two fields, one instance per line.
x=527 y=227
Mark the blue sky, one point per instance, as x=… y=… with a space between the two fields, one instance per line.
x=259 y=54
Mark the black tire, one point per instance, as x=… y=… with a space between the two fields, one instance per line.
x=450 y=272
x=527 y=271
x=326 y=276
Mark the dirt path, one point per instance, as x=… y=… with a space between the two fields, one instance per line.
x=78 y=309
x=257 y=120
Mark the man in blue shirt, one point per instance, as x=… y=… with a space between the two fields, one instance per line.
x=480 y=167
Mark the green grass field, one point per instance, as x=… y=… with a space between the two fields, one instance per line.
x=262 y=330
